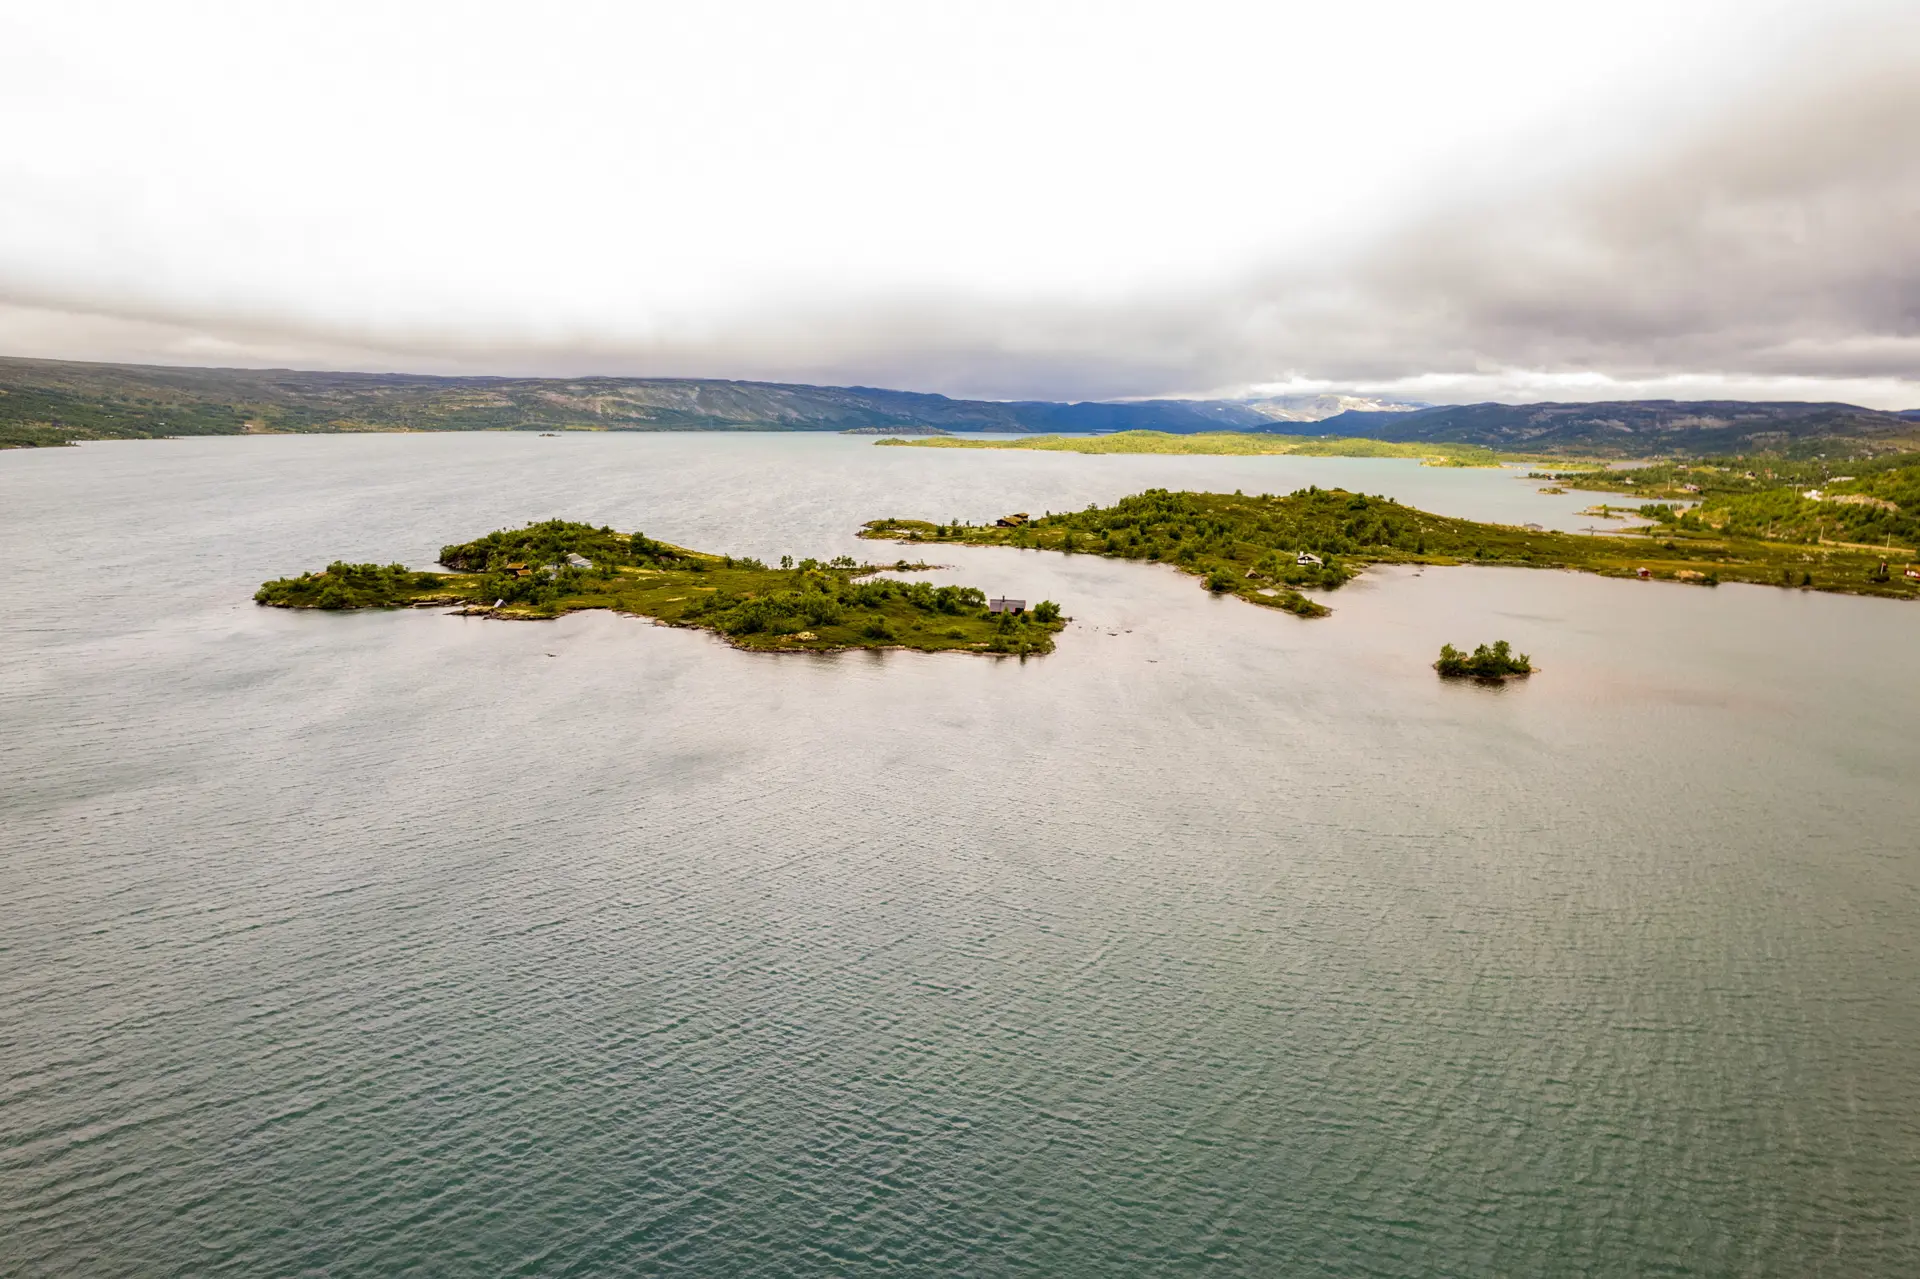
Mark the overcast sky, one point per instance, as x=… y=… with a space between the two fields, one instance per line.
x=1464 y=201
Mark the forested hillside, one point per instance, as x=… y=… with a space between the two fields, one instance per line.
x=53 y=402
x=1639 y=427
x=56 y=402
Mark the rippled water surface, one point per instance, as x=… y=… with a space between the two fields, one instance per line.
x=1217 y=941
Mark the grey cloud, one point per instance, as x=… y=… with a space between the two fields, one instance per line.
x=1781 y=240
x=1785 y=240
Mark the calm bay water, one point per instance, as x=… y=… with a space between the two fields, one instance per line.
x=1217 y=941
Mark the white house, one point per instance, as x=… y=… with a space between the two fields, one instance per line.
x=1006 y=606
x=1305 y=559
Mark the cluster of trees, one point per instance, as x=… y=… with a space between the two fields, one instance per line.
x=1484 y=662
x=825 y=595
x=543 y=551
x=1253 y=546
x=1312 y=519
x=1736 y=474
x=546 y=586
x=550 y=542
x=807 y=565
x=1784 y=515
x=1196 y=530
x=1865 y=500
x=1234 y=543
x=1025 y=632
x=341 y=586
x=821 y=596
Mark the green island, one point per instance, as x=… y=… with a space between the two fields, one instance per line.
x=1497 y=662
x=1267 y=549
x=547 y=569
x=1230 y=443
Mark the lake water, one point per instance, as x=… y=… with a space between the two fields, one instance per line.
x=1216 y=942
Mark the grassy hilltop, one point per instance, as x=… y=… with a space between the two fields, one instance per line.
x=556 y=567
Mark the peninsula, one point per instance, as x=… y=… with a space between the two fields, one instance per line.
x=547 y=569
x=1267 y=549
x=1231 y=444
x=1866 y=502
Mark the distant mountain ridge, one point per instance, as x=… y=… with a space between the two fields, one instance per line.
x=53 y=402
x=49 y=401
x=1693 y=426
